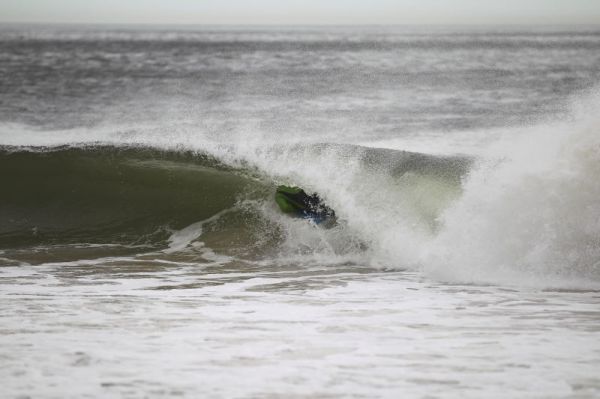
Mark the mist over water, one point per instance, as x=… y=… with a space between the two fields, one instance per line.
x=138 y=168
x=531 y=207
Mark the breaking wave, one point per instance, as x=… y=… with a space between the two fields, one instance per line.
x=137 y=195
x=525 y=211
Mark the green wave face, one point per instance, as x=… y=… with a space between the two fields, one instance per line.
x=108 y=194
x=75 y=202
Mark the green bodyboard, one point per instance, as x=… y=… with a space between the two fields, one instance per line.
x=287 y=204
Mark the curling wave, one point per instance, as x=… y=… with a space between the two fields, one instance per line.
x=140 y=195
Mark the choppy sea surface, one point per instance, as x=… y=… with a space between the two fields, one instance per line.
x=142 y=254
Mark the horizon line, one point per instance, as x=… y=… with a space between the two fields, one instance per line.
x=200 y=24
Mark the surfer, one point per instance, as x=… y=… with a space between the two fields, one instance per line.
x=295 y=202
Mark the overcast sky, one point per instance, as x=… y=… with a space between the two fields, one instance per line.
x=303 y=12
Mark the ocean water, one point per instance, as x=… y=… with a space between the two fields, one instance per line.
x=142 y=254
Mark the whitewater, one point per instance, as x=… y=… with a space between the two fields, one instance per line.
x=142 y=253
